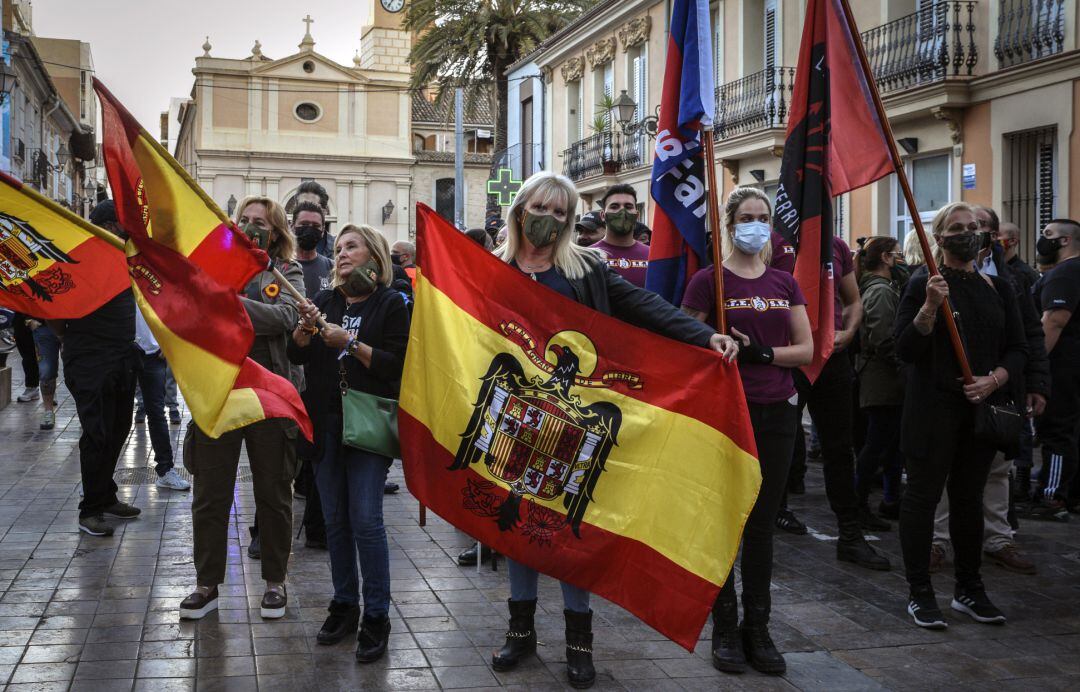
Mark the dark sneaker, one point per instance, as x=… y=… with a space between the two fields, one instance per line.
x=121 y=510
x=937 y=558
x=174 y=417
x=868 y=521
x=467 y=557
x=96 y=526
x=973 y=602
x=372 y=639
x=856 y=550
x=273 y=603
x=140 y=416
x=787 y=521
x=923 y=609
x=342 y=622
x=390 y=488
x=1011 y=559
x=1052 y=510
x=199 y=603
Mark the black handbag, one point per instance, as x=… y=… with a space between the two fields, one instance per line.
x=999 y=425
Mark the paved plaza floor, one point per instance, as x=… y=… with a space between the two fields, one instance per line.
x=85 y=613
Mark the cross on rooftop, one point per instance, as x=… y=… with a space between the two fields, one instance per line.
x=308 y=20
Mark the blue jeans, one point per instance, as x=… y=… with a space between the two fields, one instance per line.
x=350 y=483
x=151 y=378
x=523 y=582
x=48 y=354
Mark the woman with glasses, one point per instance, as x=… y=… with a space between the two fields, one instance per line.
x=937 y=428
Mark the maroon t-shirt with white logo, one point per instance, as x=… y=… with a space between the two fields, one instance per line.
x=759 y=308
x=630 y=263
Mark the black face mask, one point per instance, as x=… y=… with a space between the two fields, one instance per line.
x=900 y=272
x=396 y=260
x=308 y=236
x=1048 y=249
x=962 y=246
x=984 y=240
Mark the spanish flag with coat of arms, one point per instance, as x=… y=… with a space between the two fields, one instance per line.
x=187 y=263
x=588 y=449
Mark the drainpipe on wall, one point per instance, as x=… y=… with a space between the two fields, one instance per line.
x=543 y=120
x=45 y=118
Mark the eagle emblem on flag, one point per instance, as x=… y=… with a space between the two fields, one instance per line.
x=22 y=250
x=538 y=436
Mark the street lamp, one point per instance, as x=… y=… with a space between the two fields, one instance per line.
x=62 y=155
x=624 y=108
x=387 y=210
x=8 y=80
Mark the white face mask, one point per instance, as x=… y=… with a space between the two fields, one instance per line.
x=751 y=237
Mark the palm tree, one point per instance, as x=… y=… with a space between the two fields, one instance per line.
x=470 y=43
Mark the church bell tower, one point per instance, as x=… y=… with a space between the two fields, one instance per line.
x=384 y=44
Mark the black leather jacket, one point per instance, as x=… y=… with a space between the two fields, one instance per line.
x=605 y=291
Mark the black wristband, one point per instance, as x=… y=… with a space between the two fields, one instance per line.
x=755 y=354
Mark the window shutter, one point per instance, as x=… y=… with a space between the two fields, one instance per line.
x=770 y=34
x=1045 y=168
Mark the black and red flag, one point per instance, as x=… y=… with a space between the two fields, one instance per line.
x=831 y=93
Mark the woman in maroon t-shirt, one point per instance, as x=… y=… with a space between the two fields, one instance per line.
x=766 y=311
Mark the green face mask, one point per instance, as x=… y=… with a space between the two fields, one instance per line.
x=259 y=236
x=541 y=230
x=361 y=280
x=621 y=222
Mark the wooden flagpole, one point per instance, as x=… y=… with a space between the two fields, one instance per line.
x=909 y=198
x=713 y=202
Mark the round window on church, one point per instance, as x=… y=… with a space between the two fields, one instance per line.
x=308 y=112
x=309 y=66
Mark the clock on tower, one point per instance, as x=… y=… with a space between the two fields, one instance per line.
x=384 y=45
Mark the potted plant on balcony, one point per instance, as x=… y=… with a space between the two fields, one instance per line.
x=601 y=125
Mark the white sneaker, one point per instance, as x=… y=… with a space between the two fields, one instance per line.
x=172 y=481
x=29 y=394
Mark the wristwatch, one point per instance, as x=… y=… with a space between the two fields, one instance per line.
x=353 y=347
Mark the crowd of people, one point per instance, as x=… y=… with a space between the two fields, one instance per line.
x=891 y=406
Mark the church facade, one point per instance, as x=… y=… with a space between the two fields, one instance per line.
x=262 y=126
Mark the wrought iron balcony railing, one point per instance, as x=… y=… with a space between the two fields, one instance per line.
x=606 y=153
x=923 y=47
x=1029 y=30
x=756 y=102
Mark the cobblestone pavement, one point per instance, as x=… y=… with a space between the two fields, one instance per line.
x=86 y=613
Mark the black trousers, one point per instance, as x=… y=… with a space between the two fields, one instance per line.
x=1059 y=432
x=314 y=523
x=774 y=433
x=104 y=396
x=960 y=463
x=24 y=341
x=829 y=400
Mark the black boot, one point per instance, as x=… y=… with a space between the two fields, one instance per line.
x=467 y=557
x=852 y=547
x=579 y=665
x=727 y=648
x=520 y=636
x=372 y=639
x=342 y=622
x=758 y=645
x=254 y=549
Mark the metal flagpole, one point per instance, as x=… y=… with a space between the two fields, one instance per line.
x=459 y=158
x=909 y=198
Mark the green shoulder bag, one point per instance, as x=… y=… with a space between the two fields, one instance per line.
x=369 y=422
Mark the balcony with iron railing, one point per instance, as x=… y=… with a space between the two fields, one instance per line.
x=925 y=47
x=1029 y=30
x=606 y=153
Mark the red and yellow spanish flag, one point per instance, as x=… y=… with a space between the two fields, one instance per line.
x=52 y=264
x=187 y=264
x=593 y=451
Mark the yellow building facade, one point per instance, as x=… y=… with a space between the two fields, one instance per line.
x=982 y=96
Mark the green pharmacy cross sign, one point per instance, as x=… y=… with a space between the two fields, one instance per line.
x=504 y=186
